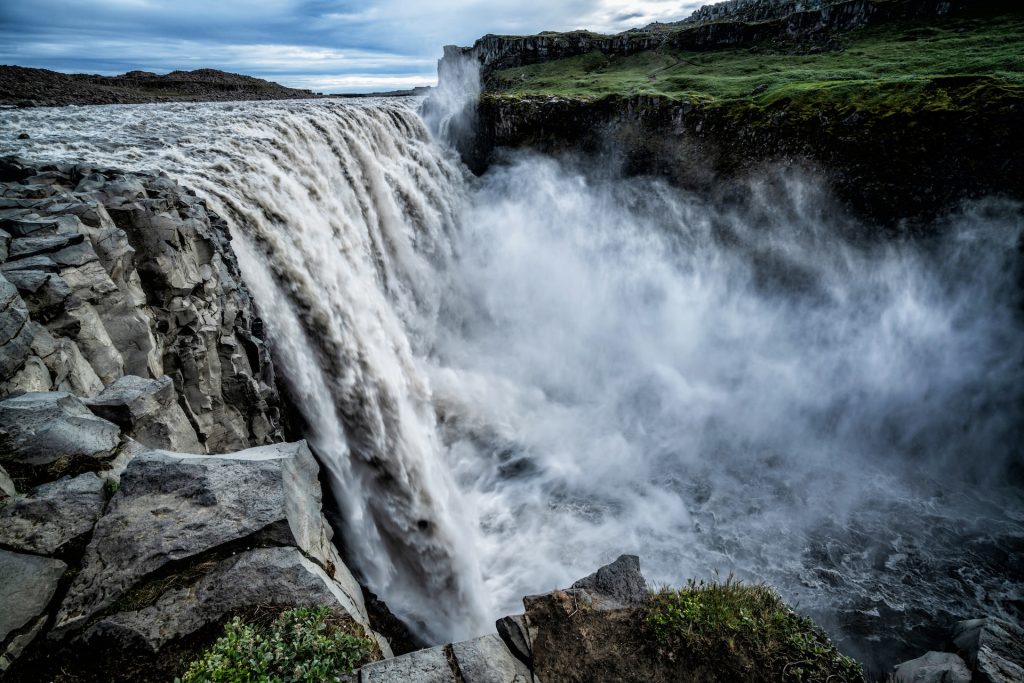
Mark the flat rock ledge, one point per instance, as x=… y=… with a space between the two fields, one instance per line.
x=129 y=565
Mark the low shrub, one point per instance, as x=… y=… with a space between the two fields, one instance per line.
x=746 y=629
x=301 y=646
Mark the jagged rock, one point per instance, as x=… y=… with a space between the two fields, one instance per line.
x=994 y=648
x=171 y=509
x=23 y=247
x=45 y=294
x=516 y=636
x=487 y=660
x=33 y=377
x=261 y=577
x=422 y=666
x=7 y=488
x=148 y=411
x=15 y=339
x=52 y=514
x=27 y=583
x=619 y=584
x=69 y=370
x=5 y=245
x=41 y=429
x=933 y=667
x=131 y=275
x=20 y=642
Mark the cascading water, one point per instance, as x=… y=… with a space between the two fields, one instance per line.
x=515 y=378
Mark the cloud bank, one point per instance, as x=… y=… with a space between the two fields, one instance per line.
x=323 y=45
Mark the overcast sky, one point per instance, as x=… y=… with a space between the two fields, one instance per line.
x=323 y=45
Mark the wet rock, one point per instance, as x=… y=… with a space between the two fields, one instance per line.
x=24 y=136
x=129 y=274
x=514 y=633
x=619 y=584
x=487 y=660
x=422 y=666
x=173 y=509
x=933 y=667
x=27 y=583
x=7 y=488
x=21 y=641
x=994 y=648
x=148 y=411
x=52 y=514
x=261 y=577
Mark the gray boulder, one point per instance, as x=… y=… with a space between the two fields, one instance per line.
x=994 y=648
x=148 y=411
x=54 y=429
x=15 y=338
x=52 y=514
x=933 y=667
x=487 y=660
x=422 y=666
x=27 y=583
x=258 y=578
x=515 y=633
x=616 y=585
x=7 y=489
x=172 y=509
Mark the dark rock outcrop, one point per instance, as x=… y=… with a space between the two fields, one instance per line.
x=994 y=648
x=133 y=588
x=122 y=281
x=933 y=667
x=21 y=86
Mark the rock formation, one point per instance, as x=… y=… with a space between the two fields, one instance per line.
x=127 y=567
x=122 y=288
x=21 y=86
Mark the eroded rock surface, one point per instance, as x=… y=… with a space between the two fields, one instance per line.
x=106 y=274
x=53 y=514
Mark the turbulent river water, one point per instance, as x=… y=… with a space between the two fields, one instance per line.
x=512 y=379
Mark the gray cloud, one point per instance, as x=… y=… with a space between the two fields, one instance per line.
x=327 y=45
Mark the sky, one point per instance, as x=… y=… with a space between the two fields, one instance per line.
x=321 y=45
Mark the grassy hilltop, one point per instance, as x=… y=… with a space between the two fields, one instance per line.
x=895 y=67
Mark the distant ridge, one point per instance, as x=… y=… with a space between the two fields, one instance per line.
x=23 y=86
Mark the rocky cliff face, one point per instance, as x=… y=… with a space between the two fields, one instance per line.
x=728 y=24
x=903 y=165
x=123 y=288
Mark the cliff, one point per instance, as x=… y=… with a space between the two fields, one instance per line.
x=726 y=24
x=903 y=116
x=21 y=86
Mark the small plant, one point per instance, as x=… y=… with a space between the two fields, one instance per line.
x=110 y=487
x=301 y=645
x=741 y=627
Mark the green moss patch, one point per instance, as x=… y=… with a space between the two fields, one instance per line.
x=744 y=628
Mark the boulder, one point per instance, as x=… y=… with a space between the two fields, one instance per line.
x=33 y=377
x=174 y=510
x=264 y=577
x=514 y=632
x=933 y=667
x=7 y=488
x=53 y=430
x=994 y=648
x=27 y=583
x=15 y=339
x=619 y=584
x=23 y=247
x=45 y=294
x=487 y=660
x=422 y=666
x=52 y=514
x=148 y=411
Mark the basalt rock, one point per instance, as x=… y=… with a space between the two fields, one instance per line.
x=994 y=648
x=106 y=274
x=185 y=543
x=147 y=410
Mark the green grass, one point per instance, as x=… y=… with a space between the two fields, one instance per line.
x=740 y=627
x=302 y=645
x=896 y=64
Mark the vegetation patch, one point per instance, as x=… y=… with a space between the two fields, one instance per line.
x=896 y=66
x=301 y=645
x=744 y=629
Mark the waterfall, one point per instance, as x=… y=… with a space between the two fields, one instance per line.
x=512 y=379
x=340 y=214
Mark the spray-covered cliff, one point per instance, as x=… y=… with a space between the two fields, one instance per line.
x=907 y=107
